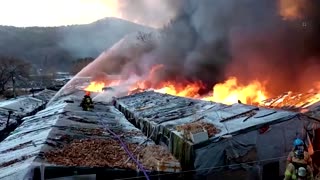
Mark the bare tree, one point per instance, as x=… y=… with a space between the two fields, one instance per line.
x=80 y=63
x=144 y=37
x=12 y=69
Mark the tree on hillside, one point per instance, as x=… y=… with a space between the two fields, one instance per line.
x=145 y=37
x=12 y=69
x=79 y=64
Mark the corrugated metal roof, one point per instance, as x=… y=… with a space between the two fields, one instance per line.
x=18 y=151
x=45 y=95
x=171 y=111
x=43 y=137
x=21 y=107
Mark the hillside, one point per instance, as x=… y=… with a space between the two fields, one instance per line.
x=56 y=47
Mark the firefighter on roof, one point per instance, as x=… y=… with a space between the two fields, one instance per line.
x=87 y=103
x=299 y=162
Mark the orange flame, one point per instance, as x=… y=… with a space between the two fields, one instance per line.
x=95 y=86
x=292 y=9
x=176 y=89
x=297 y=100
x=230 y=92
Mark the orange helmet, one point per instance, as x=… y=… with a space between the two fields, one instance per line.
x=88 y=93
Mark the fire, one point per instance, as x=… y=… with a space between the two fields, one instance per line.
x=95 y=86
x=189 y=90
x=296 y=100
x=230 y=92
x=292 y=9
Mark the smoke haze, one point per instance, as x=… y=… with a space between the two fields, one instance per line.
x=154 y=13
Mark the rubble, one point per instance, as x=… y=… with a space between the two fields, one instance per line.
x=158 y=158
x=196 y=127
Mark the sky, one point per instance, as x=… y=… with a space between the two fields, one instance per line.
x=24 y=13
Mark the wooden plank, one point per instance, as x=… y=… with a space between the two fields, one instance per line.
x=239 y=115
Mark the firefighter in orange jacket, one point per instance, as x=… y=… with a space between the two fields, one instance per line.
x=299 y=161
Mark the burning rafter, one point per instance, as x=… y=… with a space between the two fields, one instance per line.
x=293 y=101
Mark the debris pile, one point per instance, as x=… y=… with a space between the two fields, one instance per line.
x=92 y=153
x=210 y=128
x=197 y=127
x=109 y=153
x=158 y=158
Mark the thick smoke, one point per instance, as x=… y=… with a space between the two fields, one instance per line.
x=194 y=46
x=284 y=53
x=209 y=41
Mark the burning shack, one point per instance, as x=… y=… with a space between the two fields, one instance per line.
x=213 y=138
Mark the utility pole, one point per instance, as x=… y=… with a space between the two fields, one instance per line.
x=9 y=115
x=13 y=84
x=42 y=73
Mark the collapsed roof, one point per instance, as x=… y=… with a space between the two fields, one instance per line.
x=308 y=103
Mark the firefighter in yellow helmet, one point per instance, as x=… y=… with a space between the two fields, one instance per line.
x=87 y=103
x=299 y=163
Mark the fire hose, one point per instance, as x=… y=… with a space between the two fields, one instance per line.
x=126 y=149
